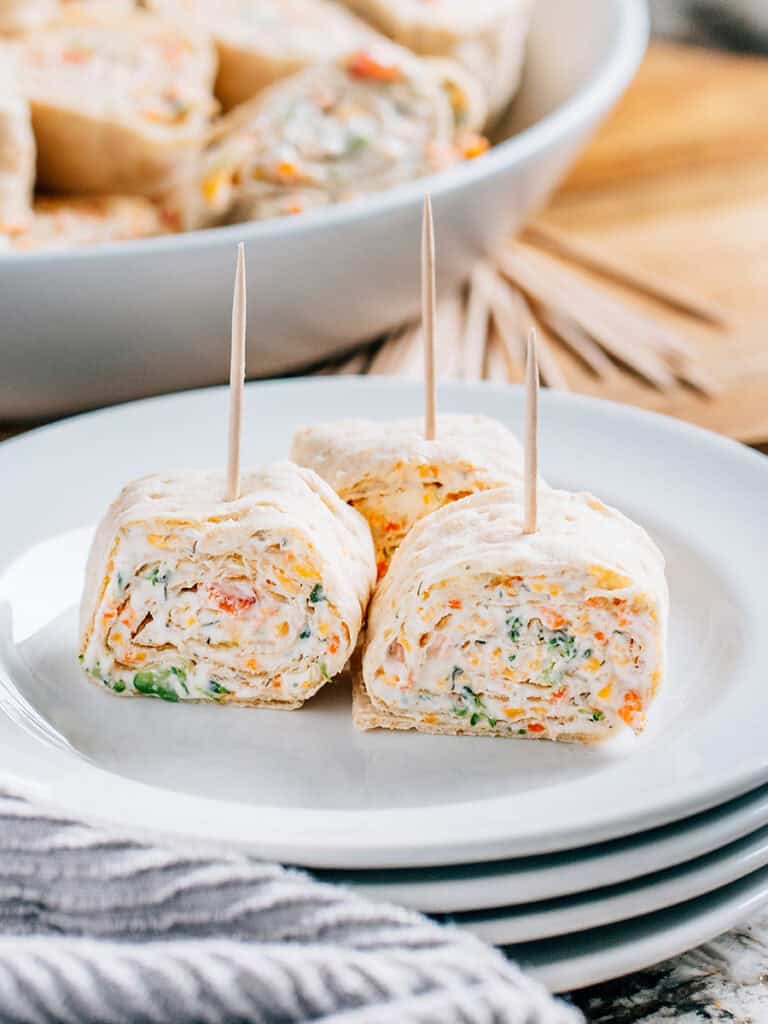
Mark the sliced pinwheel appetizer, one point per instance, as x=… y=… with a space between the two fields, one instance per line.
x=254 y=601
x=69 y=223
x=120 y=102
x=261 y=41
x=391 y=474
x=17 y=147
x=486 y=36
x=481 y=629
x=371 y=120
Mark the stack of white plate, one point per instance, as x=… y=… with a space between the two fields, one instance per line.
x=586 y=863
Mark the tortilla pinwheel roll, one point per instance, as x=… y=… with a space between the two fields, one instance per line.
x=256 y=601
x=487 y=36
x=17 y=147
x=394 y=477
x=371 y=120
x=261 y=41
x=120 y=101
x=67 y=223
x=480 y=629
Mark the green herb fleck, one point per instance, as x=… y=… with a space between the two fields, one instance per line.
x=118 y=686
x=181 y=675
x=588 y=652
x=316 y=594
x=324 y=672
x=217 y=688
x=155 y=684
x=514 y=626
x=305 y=633
x=564 y=642
x=598 y=716
x=479 y=710
x=456 y=671
x=356 y=143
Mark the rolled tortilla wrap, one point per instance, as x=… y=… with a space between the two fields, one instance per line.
x=68 y=223
x=17 y=146
x=120 y=102
x=369 y=121
x=486 y=36
x=394 y=477
x=262 y=41
x=480 y=629
x=256 y=601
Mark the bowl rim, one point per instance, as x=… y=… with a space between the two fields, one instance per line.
x=592 y=100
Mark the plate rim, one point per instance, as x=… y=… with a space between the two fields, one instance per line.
x=635 y=945
x=698 y=877
x=435 y=894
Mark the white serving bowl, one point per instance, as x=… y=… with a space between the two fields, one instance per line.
x=136 y=318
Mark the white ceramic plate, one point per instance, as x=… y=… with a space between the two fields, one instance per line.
x=588 y=958
x=468 y=887
x=600 y=907
x=304 y=787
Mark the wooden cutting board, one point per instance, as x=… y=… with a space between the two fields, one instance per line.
x=677 y=182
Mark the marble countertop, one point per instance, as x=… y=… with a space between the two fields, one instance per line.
x=725 y=980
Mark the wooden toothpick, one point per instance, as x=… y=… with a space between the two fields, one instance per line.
x=236 y=378
x=531 y=467
x=428 y=313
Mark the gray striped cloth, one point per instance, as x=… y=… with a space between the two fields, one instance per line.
x=96 y=926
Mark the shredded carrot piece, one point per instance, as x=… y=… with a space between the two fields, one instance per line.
x=364 y=65
x=287 y=171
x=551 y=618
x=76 y=56
x=454 y=603
x=213 y=185
x=473 y=145
x=535 y=727
x=229 y=603
x=633 y=704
